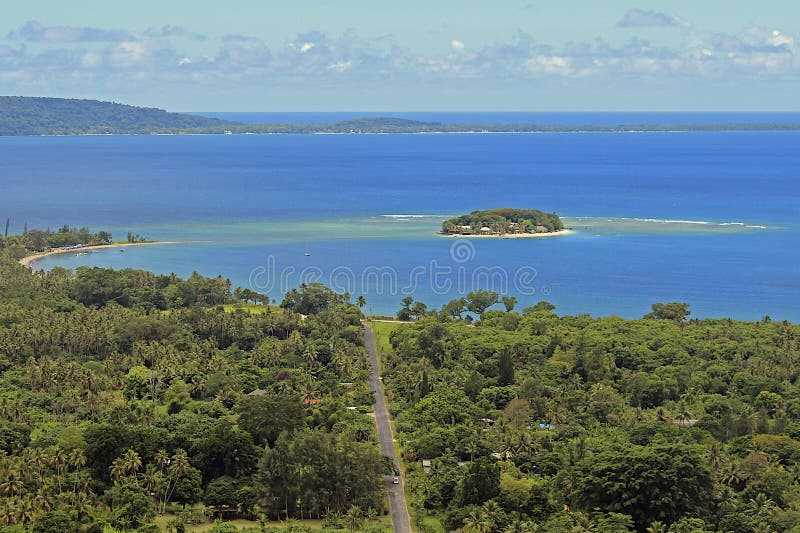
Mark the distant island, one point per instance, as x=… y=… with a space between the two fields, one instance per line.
x=505 y=222
x=26 y=116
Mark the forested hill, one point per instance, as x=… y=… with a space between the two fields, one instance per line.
x=20 y=115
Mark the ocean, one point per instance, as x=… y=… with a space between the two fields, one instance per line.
x=705 y=218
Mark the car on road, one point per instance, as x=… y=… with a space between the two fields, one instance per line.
x=396 y=480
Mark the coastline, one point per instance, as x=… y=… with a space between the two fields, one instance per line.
x=29 y=260
x=512 y=235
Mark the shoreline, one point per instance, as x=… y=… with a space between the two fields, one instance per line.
x=29 y=260
x=558 y=233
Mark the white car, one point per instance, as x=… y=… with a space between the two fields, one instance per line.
x=396 y=480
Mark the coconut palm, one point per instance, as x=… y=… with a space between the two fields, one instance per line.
x=355 y=518
x=518 y=526
x=131 y=462
x=477 y=522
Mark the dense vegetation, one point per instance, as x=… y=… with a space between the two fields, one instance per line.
x=530 y=421
x=125 y=395
x=58 y=116
x=38 y=240
x=503 y=221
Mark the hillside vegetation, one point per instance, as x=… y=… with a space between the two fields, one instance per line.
x=125 y=395
x=531 y=421
x=60 y=116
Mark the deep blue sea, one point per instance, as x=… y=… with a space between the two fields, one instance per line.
x=706 y=218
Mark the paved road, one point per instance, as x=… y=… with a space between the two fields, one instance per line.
x=397 y=498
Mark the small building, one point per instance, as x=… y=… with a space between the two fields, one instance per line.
x=257 y=392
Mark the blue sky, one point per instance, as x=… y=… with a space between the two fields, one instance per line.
x=470 y=55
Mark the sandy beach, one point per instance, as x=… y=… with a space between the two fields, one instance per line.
x=512 y=235
x=29 y=260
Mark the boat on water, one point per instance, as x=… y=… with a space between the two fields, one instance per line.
x=307 y=254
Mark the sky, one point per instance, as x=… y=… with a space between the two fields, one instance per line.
x=415 y=55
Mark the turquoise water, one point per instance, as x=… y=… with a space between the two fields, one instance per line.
x=706 y=218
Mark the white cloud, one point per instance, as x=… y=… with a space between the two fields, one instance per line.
x=558 y=65
x=638 y=18
x=91 y=59
x=129 y=53
x=754 y=54
x=341 y=66
x=36 y=32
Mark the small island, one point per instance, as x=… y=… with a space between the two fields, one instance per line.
x=505 y=223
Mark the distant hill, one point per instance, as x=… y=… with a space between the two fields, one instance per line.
x=22 y=115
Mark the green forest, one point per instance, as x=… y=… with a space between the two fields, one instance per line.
x=62 y=116
x=138 y=402
x=534 y=422
x=503 y=221
x=131 y=401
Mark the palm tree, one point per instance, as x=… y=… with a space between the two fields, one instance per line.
x=77 y=460
x=361 y=301
x=729 y=473
x=762 y=527
x=355 y=518
x=131 y=462
x=477 y=522
x=761 y=505
x=117 y=470
x=583 y=524
x=519 y=526
x=162 y=459
x=12 y=485
x=58 y=459
x=178 y=467
x=310 y=354
x=683 y=412
x=656 y=527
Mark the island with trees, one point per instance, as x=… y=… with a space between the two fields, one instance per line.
x=505 y=222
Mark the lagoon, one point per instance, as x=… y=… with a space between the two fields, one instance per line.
x=706 y=218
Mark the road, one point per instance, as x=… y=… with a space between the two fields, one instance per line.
x=401 y=521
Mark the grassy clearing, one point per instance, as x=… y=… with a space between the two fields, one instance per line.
x=381 y=331
x=253 y=309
